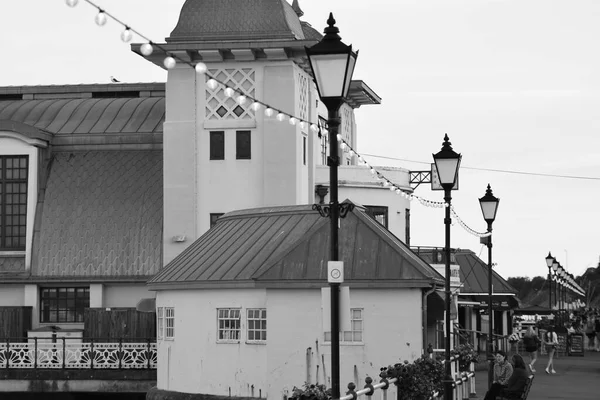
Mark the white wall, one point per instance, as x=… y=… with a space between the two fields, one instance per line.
x=357 y=184
x=12 y=295
x=195 y=363
x=126 y=295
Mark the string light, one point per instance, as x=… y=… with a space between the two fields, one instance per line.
x=146 y=49
x=126 y=35
x=100 y=18
x=201 y=68
x=169 y=62
x=212 y=83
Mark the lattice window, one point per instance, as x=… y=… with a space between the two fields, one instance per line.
x=229 y=323
x=169 y=322
x=257 y=325
x=355 y=334
x=302 y=83
x=63 y=304
x=13 y=202
x=160 y=322
x=221 y=107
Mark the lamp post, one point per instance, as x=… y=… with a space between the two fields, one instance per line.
x=555 y=269
x=447 y=162
x=549 y=261
x=489 y=206
x=332 y=64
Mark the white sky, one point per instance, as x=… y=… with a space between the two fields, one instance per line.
x=514 y=83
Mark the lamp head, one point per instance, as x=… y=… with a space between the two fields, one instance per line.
x=489 y=205
x=447 y=163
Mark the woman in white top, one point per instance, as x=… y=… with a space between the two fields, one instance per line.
x=551 y=342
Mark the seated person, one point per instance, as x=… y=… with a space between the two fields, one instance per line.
x=518 y=379
x=502 y=372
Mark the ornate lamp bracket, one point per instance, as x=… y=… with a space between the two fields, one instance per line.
x=325 y=211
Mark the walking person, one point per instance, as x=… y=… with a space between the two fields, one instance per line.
x=502 y=372
x=551 y=343
x=531 y=341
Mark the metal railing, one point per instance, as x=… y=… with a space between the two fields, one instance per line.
x=75 y=353
x=463 y=384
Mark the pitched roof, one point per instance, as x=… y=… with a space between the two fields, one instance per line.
x=474 y=274
x=246 y=20
x=101 y=216
x=289 y=246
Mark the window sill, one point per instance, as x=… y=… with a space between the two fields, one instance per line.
x=258 y=342
x=345 y=343
x=12 y=253
x=228 y=342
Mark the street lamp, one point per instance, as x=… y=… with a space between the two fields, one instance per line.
x=555 y=269
x=332 y=64
x=489 y=206
x=549 y=262
x=447 y=162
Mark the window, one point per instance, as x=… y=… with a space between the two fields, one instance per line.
x=242 y=145
x=63 y=304
x=213 y=218
x=355 y=334
x=13 y=202
x=160 y=322
x=257 y=325
x=379 y=214
x=304 y=150
x=217 y=145
x=169 y=322
x=407 y=226
x=229 y=321
x=324 y=141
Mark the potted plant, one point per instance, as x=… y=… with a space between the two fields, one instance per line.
x=466 y=354
x=310 y=391
x=417 y=380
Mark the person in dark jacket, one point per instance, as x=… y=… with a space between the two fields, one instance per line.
x=502 y=372
x=518 y=379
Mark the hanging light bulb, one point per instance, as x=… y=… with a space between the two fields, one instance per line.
x=302 y=124
x=351 y=153
x=255 y=106
x=386 y=183
x=241 y=100
x=169 y=62
x=360 y=159
x=100 y=18
x=372 y=171
x=325 y=131
x=343 y=146
x=126 y=35
x=339 y=137
x=72 y=3
x=201 y=68
x=398 y=191
x=269 y=112
x=314 y=128
x=229 y=92
x=212 y=84
x=293 y=121
x=146 y=49
x=280 y=116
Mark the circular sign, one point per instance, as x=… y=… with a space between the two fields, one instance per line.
x=335 y=273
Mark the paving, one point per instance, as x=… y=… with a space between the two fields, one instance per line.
x=576 y=378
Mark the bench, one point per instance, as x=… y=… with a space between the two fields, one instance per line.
x=519 y=396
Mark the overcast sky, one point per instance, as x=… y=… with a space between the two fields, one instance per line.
x=514 y=83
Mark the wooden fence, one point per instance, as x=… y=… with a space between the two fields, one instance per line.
x=14 y=321
x=118 y=323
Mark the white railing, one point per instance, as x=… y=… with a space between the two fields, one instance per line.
x=463 y=385
x=73 y=353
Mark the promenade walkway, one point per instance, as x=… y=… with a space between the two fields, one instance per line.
x=577 y=378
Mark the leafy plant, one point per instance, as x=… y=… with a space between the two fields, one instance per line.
x=466 y=353
x=310 y=391
x=417 y=380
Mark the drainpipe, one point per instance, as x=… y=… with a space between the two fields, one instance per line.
x=424 y=310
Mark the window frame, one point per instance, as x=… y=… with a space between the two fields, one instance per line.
x=214 y=152
x=160 y=322
x=241 y=152
x=4 y=216
x=352 y=333
x=229 y=318
x=169 y=317
x=374 y=211
x=49 y=304
x=260 y=330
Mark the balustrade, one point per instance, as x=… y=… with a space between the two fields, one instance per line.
x=75 y=353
